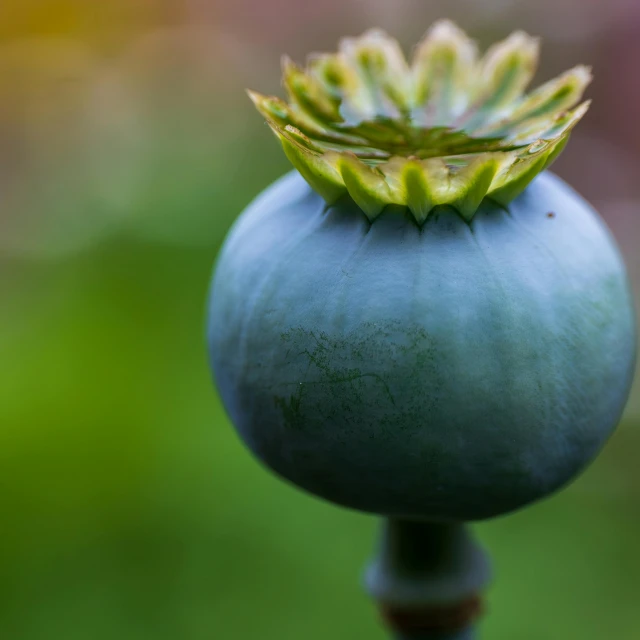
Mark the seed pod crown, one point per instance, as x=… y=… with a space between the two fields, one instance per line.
x=448 y=128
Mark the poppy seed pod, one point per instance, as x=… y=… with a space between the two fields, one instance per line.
x=420 y=321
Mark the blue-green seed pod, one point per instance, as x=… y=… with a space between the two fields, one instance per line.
x=422 y=360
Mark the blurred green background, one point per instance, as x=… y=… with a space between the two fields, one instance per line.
x=128 y=507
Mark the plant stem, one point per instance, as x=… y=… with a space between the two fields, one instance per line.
x=466 y=634
x=427 y=578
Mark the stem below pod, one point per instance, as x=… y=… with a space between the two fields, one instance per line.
x=427 y=578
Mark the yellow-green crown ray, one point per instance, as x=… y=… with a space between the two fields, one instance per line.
x=447 y=128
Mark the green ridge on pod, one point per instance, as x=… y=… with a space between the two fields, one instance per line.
x=449 y=128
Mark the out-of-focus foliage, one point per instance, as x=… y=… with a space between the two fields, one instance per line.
x=129 y=508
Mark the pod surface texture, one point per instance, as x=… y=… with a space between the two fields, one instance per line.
x=454 y=371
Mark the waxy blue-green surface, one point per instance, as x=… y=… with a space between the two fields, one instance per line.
x=453 y=371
